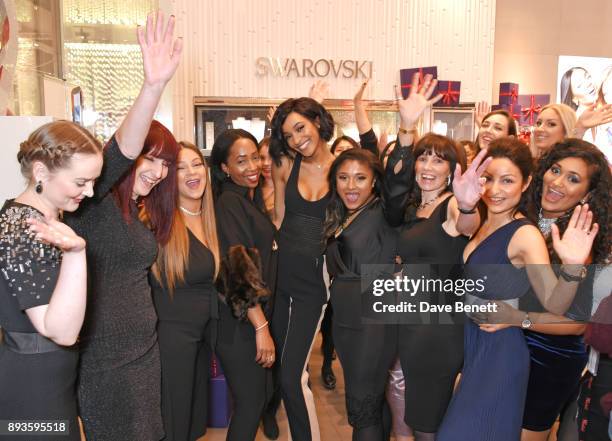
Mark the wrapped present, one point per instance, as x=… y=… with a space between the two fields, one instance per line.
x=508 y=93
x=514 y=110
x=219 y=403
x=215 y=367
x=531 y=106
x=406 y=77
x=450 y=90
x=524 y=135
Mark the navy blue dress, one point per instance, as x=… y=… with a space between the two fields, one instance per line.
x=488 y=404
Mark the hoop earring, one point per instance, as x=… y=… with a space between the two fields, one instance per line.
x=38 y=187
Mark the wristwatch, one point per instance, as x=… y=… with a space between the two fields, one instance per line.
x=571 y=278
x=526 y=323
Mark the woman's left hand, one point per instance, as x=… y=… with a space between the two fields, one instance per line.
x=488 y=327
x=469 y=186
x=574 y=248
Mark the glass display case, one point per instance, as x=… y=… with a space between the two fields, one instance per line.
x=216 y=114
x=455 y=122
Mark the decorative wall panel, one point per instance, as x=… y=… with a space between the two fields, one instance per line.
x=223 y=40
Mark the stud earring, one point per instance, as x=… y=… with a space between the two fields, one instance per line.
x=448 y=180
x=38 y=187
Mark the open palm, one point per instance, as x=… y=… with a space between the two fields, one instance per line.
x=469 y=186
x=160 y=51
x=418 y=100
x=575 y=246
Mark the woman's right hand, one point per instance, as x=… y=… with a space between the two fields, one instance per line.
x=57 y=234
x=265 y=347
x=160 y=51
x=482 y=108
x=411 y=108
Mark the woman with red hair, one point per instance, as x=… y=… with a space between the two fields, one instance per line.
x=120 y=375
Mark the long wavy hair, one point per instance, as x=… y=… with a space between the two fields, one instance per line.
x=173 y=257
x=444 y=148
x=567 y=96
x=309 y=109
x=159 y=203
x=336 y=212
x=599 y=191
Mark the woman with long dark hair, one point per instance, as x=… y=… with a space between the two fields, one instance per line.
x=186 y=301
x=509 y=255
x=120 y=376
x=572 y=173
x=300 y=131
x=433 y=203
x=359 y=236
x=244 y=344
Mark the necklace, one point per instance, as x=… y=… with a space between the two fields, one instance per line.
x=428 y=203
x=191 y=213
x=545 y=223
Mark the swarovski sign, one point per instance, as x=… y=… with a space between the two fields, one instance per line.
x=306 y=67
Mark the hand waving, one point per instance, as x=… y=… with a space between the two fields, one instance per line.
x=160 y=52
x=56 y=233
x=319 y=91
x=575 y=246
x=418 y=100
x=469 y=186
x=482 y=108
x=593 y=116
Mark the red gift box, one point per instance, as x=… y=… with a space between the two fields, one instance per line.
x=407 y=74
x=531 y=106
x=514 y=110
x=451 y=91
x=508 y=94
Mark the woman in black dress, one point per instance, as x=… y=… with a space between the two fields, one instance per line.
x=434 y=205
x=360 y=236
x=44 y=279
x=300 y=131
x=244 y=344
x=186 y=301
x=119 y=373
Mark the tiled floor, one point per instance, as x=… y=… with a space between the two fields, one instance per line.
x=330 y=407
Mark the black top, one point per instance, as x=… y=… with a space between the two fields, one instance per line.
x=242 y=221
x=29 y=268
x=120 y=321
x=197 y=285
x=369 y=141
x=424 y=240
x=368 y=240
x=302 y=228
x=397 y=187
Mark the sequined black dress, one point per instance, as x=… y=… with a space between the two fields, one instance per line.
x=37 y=377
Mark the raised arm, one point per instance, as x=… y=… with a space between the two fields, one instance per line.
x=591 y=117
x=399 y=172
x=160 y=58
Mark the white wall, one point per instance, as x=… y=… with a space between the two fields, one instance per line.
x=531 y=34
x=15 y=130
x=222 y=40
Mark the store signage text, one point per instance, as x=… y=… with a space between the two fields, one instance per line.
x=306 y=67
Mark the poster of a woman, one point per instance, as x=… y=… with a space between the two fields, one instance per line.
x=583 y=82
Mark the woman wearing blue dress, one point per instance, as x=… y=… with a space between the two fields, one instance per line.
x=509 y=254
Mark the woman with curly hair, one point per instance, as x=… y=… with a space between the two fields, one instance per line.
x=572 y=173
x=244 y=345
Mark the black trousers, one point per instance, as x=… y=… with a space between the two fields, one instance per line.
x=366 y=355
x=327 y=337
x=185 y=349
x=249 y=383
x=295 y=324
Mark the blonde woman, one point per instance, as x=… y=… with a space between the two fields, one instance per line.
x=186 y=301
